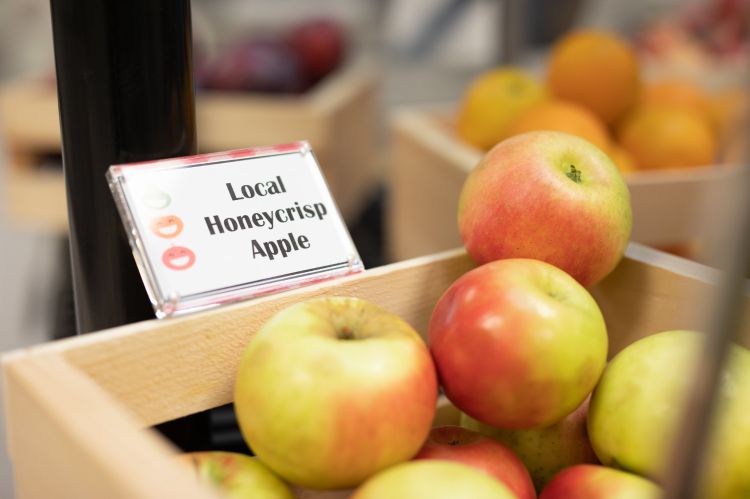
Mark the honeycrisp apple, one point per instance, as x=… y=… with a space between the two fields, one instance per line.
x=332 y=390
x=432 y=479
x=517 y=343
x=635 y=412
x=550 y=196
x=545 y=451
x=589 y=481
x=454 y=443
x=236 y=475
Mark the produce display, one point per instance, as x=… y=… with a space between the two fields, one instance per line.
x=337 y=393
x=290 y=62
x=594 y=87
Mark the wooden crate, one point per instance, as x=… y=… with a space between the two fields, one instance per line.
x=338 y=117
x=428 y=166
x=79 y=410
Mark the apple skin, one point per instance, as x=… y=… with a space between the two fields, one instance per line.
x=332 y=390
x=236 y=475
x=454 y=443
x=517 y=343
x=635 y=412
x=590 y=481
x=521 y=202
x=545 y=451
x=432 y=479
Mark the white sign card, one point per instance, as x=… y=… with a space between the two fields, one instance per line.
x=215 y=228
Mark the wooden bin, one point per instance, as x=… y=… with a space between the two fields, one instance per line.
x=338 y=117
x=429 y=165
x=78 y=410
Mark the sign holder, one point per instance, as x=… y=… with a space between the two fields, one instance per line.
x=216 y=228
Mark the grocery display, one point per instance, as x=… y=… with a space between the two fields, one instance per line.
x=533 y=337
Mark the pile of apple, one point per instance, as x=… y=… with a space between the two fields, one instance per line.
x=289 y=62
x=336 y=393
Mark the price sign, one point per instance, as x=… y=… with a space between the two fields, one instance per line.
x=216 y=228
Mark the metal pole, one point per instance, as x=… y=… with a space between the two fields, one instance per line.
x=125 y=90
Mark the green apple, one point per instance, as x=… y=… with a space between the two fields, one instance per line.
x=545 y=451
x=517 y=343
x=589 y=481
x=432 y=479
x=236 y=475
x=636 y=411
x=333 y=390
x=550 y=196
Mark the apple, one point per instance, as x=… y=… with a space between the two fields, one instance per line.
x=549 y=196
x=517 y=343
x=545 y=451
x=331 y=390
x=258 y=64
x=432 y=479
x=320 y=45
x=454 y=443
x=236 y=475
x=590 y=481
x=636 y=411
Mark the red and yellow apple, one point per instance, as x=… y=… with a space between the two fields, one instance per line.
x=333 y=390
x=590 y=481
x=549 y=196
x=636 y=411
x=545 y=451
x=236 y=475
x=432 y=479
x=454 y=443
x=517 y=343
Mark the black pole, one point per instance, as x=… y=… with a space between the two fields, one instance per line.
x=125 y=90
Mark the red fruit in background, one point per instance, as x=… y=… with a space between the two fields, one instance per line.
x=257 y=65
x=590 y=481
x=454 y=443
x=320 y=44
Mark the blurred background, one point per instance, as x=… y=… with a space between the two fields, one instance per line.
x=399 y=100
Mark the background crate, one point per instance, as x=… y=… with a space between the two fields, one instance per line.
x=78 y=410
x=429 y=165
x=338 y=117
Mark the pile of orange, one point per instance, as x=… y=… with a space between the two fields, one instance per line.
x=594 y=89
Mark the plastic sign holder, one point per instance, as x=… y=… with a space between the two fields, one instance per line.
x=216 y=228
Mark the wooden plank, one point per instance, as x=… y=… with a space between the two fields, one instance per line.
x=166 y=369
x=28 y=115
x=70 y=439
x=430 y=164
x=37 y=199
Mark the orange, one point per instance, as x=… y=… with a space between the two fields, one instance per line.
x=493 y=101
x=597 y=69
x=668 y=137
x=566 y=117
x=622 y=158
x=728 y=109
x=678 y=94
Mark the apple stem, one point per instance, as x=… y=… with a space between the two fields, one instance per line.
x=345 y=334
x=574 y=174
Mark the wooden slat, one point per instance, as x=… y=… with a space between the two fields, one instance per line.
x=70 y=439
x=169 y=368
